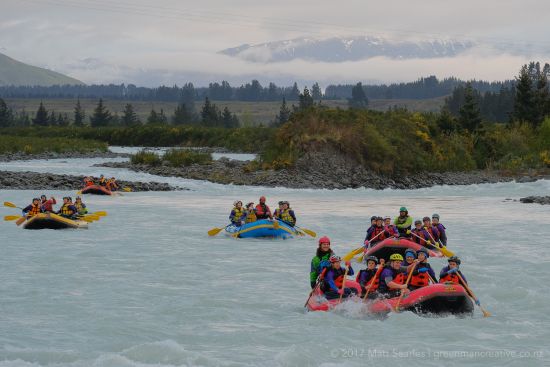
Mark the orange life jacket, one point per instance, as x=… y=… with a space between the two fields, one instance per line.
x=420 y=280
x=452 y=278
x=401 y=278
x=35 y=209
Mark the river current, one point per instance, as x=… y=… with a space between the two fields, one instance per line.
x=146 y=286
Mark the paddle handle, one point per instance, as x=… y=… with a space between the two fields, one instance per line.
x=372 y=282
x=406 y=284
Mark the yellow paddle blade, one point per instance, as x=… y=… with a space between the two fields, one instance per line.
x=127 y=189
x=11 y=205
x=11 y=217
x=352 y=254
x=214 y=231
x=446 y=252
x=87 y=219
x=309 y=232
x=78 y=193
x=101 y=214
x=485 y=312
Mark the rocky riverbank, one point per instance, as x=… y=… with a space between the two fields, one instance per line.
x=48 y=181
x=320 y=170
x=542 y=200
x=20 y=156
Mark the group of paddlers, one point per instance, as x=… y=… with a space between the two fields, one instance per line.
x=109 y=183
x=251 y=213
x=68 y=209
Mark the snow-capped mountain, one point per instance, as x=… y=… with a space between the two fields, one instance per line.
x=339 y=49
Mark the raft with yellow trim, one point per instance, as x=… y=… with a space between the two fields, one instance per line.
x=262 y=228
x=53 y=221
x=96 y=190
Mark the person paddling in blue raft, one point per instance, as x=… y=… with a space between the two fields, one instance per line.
x=285 y=214
x=334 y=279
x=237 y=215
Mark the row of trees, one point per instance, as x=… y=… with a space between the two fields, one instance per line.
x=210 y=115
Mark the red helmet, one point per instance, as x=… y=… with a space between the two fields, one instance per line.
x=324 y=239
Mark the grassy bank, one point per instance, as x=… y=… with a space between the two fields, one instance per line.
x=173 y=157
x=36 y=145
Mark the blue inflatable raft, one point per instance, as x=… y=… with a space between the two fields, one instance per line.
x=262 y=228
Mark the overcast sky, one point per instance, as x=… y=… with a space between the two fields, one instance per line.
x=169 y=41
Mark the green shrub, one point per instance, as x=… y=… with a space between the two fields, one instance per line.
x=144 y=157
x=179 y=157
x=37 y=145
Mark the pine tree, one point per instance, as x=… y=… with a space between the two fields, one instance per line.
x=162 y=117
x=52 y=119
x=470 y=115
x=284 y=113
x=305 y=100
x=153 y=117
x=542 y=95
x=41 y=117
x=446 y=121
x=182 y=115
x=129 y=118
x=62 y=119
x=316 y=92
x=101 y=116
x=6 y=115
x=229 y=120
x=524 y=102
x=210 y=115
x=294 y=92
x=358 y=99
x=79 y=114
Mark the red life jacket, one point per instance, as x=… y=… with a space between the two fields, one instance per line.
x=420 y=233
x=420 y=280
x=452 y=278
x=401 y=278
x=262 y=211
x=373 y=284
x=375 y=233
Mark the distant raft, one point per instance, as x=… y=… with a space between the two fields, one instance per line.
x=53 y=221
x=437 y=299
x=389 y=246
x=96 y=190
x=263 y=228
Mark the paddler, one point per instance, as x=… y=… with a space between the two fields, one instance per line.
x=111 y=184
x=237 y=215
x=434 y=233
x=377 y=233
x=262 y=210
x=393 y=278
x=88 y=181
x=403 y=222
x=449 y=273
x=102 y=180
x=250 y=213
x=392 y=230
x=285 y=214
x=366 y=276
x=423 y=271
x=47 y=205
x=371 y=228
x=410 y=256
x=334 y=279
x=80 y=206
x=440 y=228
x=33 y=209
x=67 y=210
x=320 y=260
x=421 y=236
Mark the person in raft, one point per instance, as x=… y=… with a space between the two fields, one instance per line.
x=440 y=228
x=285 y=214
x=320 y=260
x=410 y=256
x=421 y=236
x=371 y=228
x=80 y=206
x=432 y=231
x=332 y=283
x=88 y=181
x=403 y=222
x=449 y=273
x=390 y=228
x=377 y=233
x=111 y=184
x=367 y=277
x=393 y=278
x=102 y=180
x=250 y=213
x=32 y=209
x=423 y=272
x=67 y=210
x=262 y=210
x=237 y=215
x=47 y=205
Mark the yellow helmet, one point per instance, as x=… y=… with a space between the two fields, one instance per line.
x=396 y=257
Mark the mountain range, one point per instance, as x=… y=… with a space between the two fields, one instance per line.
x=13 y=72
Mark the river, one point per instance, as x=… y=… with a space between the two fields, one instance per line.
x=146 y=286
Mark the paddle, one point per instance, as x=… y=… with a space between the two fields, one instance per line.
x=317 y=284
x=352 y=254
x=368 y=247
x=127 y=189
x=21 y=221
x=309 y=232
x=214 y=231
x=8 y=218
x=11 y=205
x=381 y=266
x=469 y=290
x=406 y=284
x=101 y=213
x=343 y=284
x=443 y=249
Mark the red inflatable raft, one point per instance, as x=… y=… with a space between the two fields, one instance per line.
x=389 y=246
x=318 y=302
x=96 y=190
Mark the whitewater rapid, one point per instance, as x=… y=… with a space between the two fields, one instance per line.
x=146 y=286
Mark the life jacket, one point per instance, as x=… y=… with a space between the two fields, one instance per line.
x=370 y=274
x=109 y=185
x=89 y=183
x=262 y=211
x=65 y=210
x=420 y=279
x=421 y=233
x=375 y=234
x=392 y=230
x=250 y=216
x=35 y=209
x=80 y=208
x=102 y=181
x=398 y=276
x=452 y=278
x=434 y=233
x=47 y=205
x=338 y=277
x=236 y=214
x=285 y=216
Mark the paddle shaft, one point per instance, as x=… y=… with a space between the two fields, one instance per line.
x=343 y=284
x=406 y=284
x=420 y=238
x=317 y=285
x=378 y=271
x=471 y=293
x=368 y=246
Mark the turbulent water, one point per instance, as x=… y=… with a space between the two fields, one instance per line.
x=146 y=286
